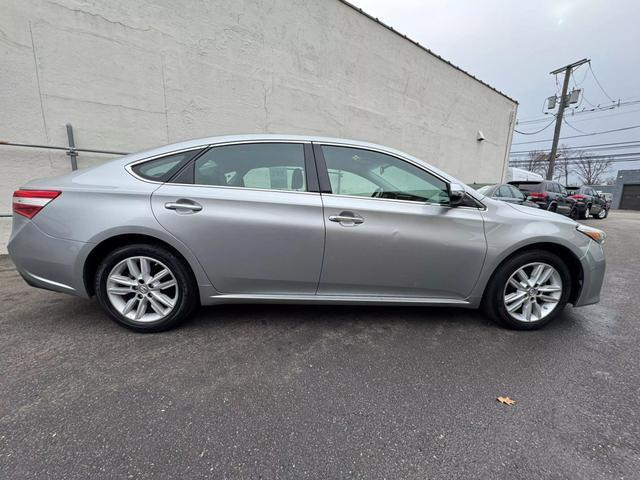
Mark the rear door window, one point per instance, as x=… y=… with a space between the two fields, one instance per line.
x=269 y=166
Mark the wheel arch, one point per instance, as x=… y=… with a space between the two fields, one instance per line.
x=109 y=244
x=564 y=253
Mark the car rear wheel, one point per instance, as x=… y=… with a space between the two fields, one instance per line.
x=574 y=213
x=145 y=288
x=603 y=213
x=528 y=290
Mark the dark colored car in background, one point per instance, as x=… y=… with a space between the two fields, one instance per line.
x=607 y=197
x=548 y=194
x=506 y=193
x=588 y=202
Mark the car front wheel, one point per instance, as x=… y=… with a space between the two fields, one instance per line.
x=145 y=288
x=528 y=290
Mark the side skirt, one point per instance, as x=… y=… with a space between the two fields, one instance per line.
x=335 y=299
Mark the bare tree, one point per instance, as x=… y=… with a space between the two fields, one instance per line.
x=538 y=162
x=564 y=167
x=591 y=170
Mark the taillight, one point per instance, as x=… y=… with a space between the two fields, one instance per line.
x=542 y=195
x=29 y=202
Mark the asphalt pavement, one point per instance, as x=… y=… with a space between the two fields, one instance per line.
x=254 y=391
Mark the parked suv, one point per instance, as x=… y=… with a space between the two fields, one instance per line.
x=607 y=197
x=547 y=194
x=588 y=202
x=507 y=193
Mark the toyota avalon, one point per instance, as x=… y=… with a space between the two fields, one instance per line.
x=293 y=219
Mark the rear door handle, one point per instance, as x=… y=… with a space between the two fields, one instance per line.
x=193 y=206
x=347 y=218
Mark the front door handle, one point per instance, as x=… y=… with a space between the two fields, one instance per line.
x=181 y=205
x=347 y=218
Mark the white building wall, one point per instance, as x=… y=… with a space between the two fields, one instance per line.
x=135 y=74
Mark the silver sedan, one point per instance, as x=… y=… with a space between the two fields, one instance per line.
x=275 y=218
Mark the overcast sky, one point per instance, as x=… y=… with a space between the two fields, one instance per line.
x=513 y=46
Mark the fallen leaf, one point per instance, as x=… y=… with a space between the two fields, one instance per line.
x=506 y=400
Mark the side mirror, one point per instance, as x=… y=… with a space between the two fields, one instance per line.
x=456 y=194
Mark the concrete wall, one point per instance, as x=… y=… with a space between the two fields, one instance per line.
x=135 y=74
x=624 y=177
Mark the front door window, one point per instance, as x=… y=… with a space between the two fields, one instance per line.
x=365 y=173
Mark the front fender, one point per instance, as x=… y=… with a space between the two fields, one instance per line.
x=509 y=230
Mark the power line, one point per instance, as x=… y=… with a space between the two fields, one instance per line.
x=576 y=161
x=615 y=156
x=584 y=135
x=611 y=156
x=574 y=128
x=599 y=84
x=603 y=116
x=595 y=106
x=537 y=131
x=576 y=84
x=595 y=109
x=609 y=151
x=595 y=146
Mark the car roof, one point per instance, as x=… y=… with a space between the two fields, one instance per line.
x=253 y=137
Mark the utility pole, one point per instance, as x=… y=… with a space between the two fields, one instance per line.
x=563 y=101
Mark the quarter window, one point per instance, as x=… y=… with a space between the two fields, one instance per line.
x=162 y=169
x=272 y=166
x=364 y=173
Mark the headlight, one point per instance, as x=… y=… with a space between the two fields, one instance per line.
x=593 y=233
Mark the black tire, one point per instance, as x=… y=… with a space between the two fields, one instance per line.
x=553 y=207
x=493 y=300
x=187 y=292
x=584 y=214
x=574 y=213
x=599 y=217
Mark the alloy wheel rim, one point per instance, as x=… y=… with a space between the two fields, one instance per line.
x=142 y=289
x=532 y=292
x=602 y=213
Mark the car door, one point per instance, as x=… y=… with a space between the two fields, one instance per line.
x=250 y=214
x=390 y=230
x=597 y=205
x=562 y=197
x=566 y=198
